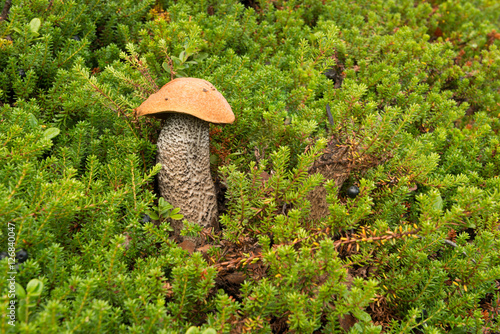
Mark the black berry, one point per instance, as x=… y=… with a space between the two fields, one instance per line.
x=352 y=191
x=21 y=256
x=76 y=38
x=22 y=74
x=3 y=255
x=146 y=218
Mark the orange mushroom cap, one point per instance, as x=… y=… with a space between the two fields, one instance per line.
x=192 y=96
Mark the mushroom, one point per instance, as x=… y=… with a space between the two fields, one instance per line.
x=188 y=105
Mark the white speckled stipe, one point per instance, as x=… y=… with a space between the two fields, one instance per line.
x=184 y=179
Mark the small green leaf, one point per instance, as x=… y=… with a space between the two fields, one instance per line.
x=152 y=215
x=183 y=56
x=363 y=316
x=438 y=203
x=201 y=56
x=164 y=206
x=176 y=61
x=177 y=217
x=35 y=25
x=51 y=133
x=192 y=330
x=209 y=331
x=34 y=287
x=21 y=310
x=20 y=291
x=214 y=159
x=33 y=121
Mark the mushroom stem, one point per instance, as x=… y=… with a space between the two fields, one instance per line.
x=184 y=179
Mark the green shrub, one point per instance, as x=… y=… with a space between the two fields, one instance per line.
x=408 y=91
